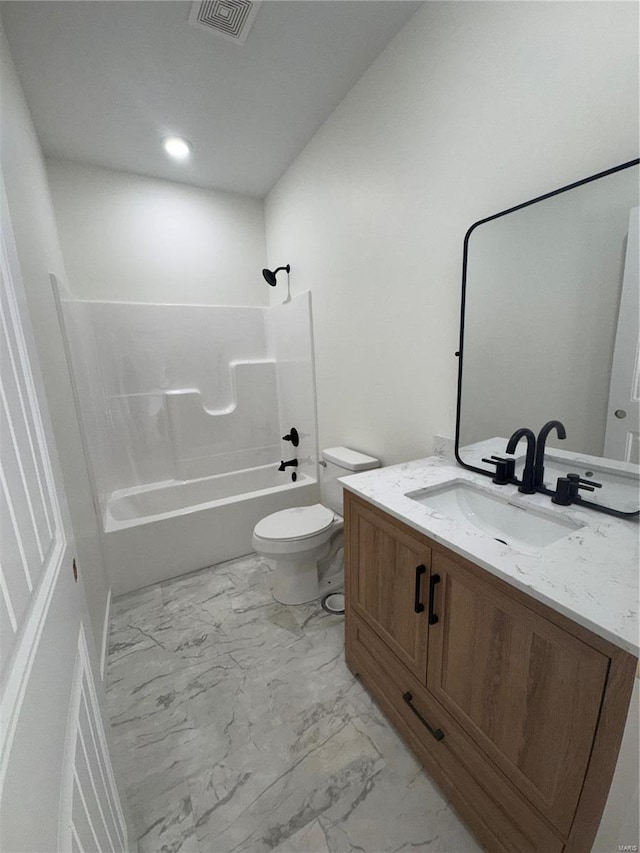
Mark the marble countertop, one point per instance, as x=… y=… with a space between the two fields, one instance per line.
x=590 y=575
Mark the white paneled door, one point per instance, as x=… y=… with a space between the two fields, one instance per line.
x=57 y=788
x=622 y=437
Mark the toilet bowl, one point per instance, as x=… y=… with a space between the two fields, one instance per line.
x=296 y=540
x=306 y=544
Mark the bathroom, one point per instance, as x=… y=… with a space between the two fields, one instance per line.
x=362 y=141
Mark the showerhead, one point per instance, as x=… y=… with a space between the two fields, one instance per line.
x=270 y=276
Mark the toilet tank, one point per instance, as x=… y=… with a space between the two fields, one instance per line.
x=340 y=462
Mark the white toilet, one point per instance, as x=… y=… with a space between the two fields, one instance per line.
x=305 y=543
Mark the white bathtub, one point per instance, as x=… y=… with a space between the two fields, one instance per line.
x=152 y=533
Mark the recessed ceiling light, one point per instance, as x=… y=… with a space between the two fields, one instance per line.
x=176 y=147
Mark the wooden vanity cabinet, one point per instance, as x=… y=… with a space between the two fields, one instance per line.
x=527 y=692
x=515 y=710
x=387 y=581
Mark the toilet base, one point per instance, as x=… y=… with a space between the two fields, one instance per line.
x=296 y=581
x=307 y=569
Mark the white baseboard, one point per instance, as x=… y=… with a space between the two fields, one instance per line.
x=105 y=635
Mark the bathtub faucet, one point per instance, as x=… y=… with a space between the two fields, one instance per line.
x=291 y=463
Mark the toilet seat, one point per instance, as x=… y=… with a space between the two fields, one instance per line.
x=320 y=526
x=294 y=524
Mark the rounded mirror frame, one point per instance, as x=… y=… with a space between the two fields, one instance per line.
x=460 y=353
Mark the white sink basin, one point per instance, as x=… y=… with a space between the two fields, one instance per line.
x=525 y=530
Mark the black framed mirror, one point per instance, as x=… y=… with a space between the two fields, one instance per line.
x=549 y=330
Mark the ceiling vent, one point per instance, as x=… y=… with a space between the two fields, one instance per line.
x=230 y=19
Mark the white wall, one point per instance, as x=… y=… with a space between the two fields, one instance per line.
x=472 y=107
x=39 y=254
x=127 y=237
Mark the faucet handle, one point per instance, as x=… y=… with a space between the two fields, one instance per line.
x=505 y=469
x=565 y=492
x=588 y=485
x=567 y=489
x=292 y=436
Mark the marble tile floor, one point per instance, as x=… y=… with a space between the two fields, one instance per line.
x=239 y=728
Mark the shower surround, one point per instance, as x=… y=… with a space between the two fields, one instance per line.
x=183 y=408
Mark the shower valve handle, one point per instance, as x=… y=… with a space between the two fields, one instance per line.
x=293 y=437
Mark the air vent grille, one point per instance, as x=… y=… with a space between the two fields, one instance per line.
x=230 y=19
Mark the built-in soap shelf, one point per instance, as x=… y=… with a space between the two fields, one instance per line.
x=264 y=368
x=248 y=422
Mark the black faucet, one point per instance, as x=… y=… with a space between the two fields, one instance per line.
x=289 y=464
x=538 y=476
x=527 y=485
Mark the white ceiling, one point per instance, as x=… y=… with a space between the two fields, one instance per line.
x=105 y=81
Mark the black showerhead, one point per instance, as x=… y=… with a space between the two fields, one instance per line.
x=270 y=276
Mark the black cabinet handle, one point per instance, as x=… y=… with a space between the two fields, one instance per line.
x=418 y=606
x=435 y=579
x=438 y=734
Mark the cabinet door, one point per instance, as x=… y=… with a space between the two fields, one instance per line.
x=387 y=577
x=526 y=691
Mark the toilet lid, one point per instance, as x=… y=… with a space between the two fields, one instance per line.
x=297 y=523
